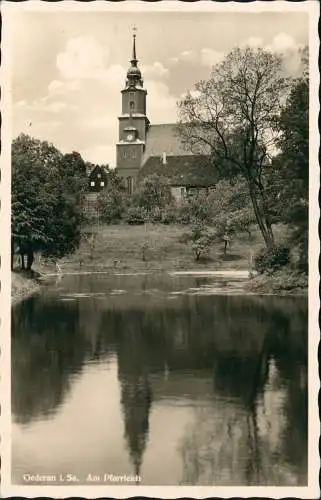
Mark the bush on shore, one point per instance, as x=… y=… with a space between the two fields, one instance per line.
x=269 y=260
x=283 y=281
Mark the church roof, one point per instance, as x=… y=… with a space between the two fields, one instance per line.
x=161 y=139
x=182 y=170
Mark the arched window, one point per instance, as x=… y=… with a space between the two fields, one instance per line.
x=131 y=107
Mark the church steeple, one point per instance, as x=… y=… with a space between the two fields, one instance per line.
x=134 y=76
x=133 y=123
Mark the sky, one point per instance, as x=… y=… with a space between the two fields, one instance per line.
x=68 y=68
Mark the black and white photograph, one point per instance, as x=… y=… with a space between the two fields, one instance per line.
x=159 y=190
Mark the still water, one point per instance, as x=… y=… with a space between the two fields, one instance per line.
x=179 y=380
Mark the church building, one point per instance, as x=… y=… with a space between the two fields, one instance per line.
x=144 y=149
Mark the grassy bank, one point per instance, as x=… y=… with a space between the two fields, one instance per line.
x=160 y=248
x=153 y=247
x=286 y=281
x=23 y=284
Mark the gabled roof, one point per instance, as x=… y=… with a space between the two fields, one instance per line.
x=182 y=170
x=102 y=169
x=161 y=139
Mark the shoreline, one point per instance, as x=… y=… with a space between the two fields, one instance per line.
x=26 y=284
x=129 y=250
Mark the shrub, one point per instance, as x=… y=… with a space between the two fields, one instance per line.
x=201 y=239
x=136 y=216
x=155 y=215
x=197 y=232
x=169 y=215
x=269 y=260
x=153 y=191
x=222 y=225
x=199 y=208
x=111 y=203
x=194 y=210
x=183 y=214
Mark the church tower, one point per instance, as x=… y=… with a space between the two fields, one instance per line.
x=133 y=125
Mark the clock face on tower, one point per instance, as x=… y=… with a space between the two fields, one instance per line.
x=130 y=137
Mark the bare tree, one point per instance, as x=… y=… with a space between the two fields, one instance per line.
x=230 y=117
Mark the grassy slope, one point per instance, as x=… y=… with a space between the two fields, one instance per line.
x=119 y=247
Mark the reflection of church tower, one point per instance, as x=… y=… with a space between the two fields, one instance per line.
x=135 y=396
x=133 y=125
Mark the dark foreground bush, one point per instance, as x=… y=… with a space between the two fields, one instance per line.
x=136 y=215
x=269 y=260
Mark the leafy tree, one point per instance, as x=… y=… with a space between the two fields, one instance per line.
x=201 y=247
x=34 y=168
x=242 y=220
x=230 y=116
x=201 y=239
x=196 y=209
x=291 y=166
x=153 y=192
x=72 y=182
x=228 y=206
x=45 y=200
x=72 y=165
x=112 y=201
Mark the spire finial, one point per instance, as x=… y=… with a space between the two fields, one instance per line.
x=134 y=59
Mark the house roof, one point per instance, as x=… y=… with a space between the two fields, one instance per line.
x=98 y=169
x=182 y=170
x=161 y=139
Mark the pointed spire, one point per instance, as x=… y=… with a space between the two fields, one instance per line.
x=134 y=76
x=134 y=58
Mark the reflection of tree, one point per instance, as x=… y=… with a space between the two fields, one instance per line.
x=290 y=360
x=227 y=444
x=222 y=447
x=46 y=351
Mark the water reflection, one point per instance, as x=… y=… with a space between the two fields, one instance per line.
x=227 y=372
x=44 y=357
x=136 y=393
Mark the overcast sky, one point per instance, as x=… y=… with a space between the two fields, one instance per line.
x=68 y=68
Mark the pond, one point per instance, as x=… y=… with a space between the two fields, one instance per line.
x=170 y=380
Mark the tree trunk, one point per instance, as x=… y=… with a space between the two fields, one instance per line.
x=266 y=213
x=262 y=218
x=30 y=259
